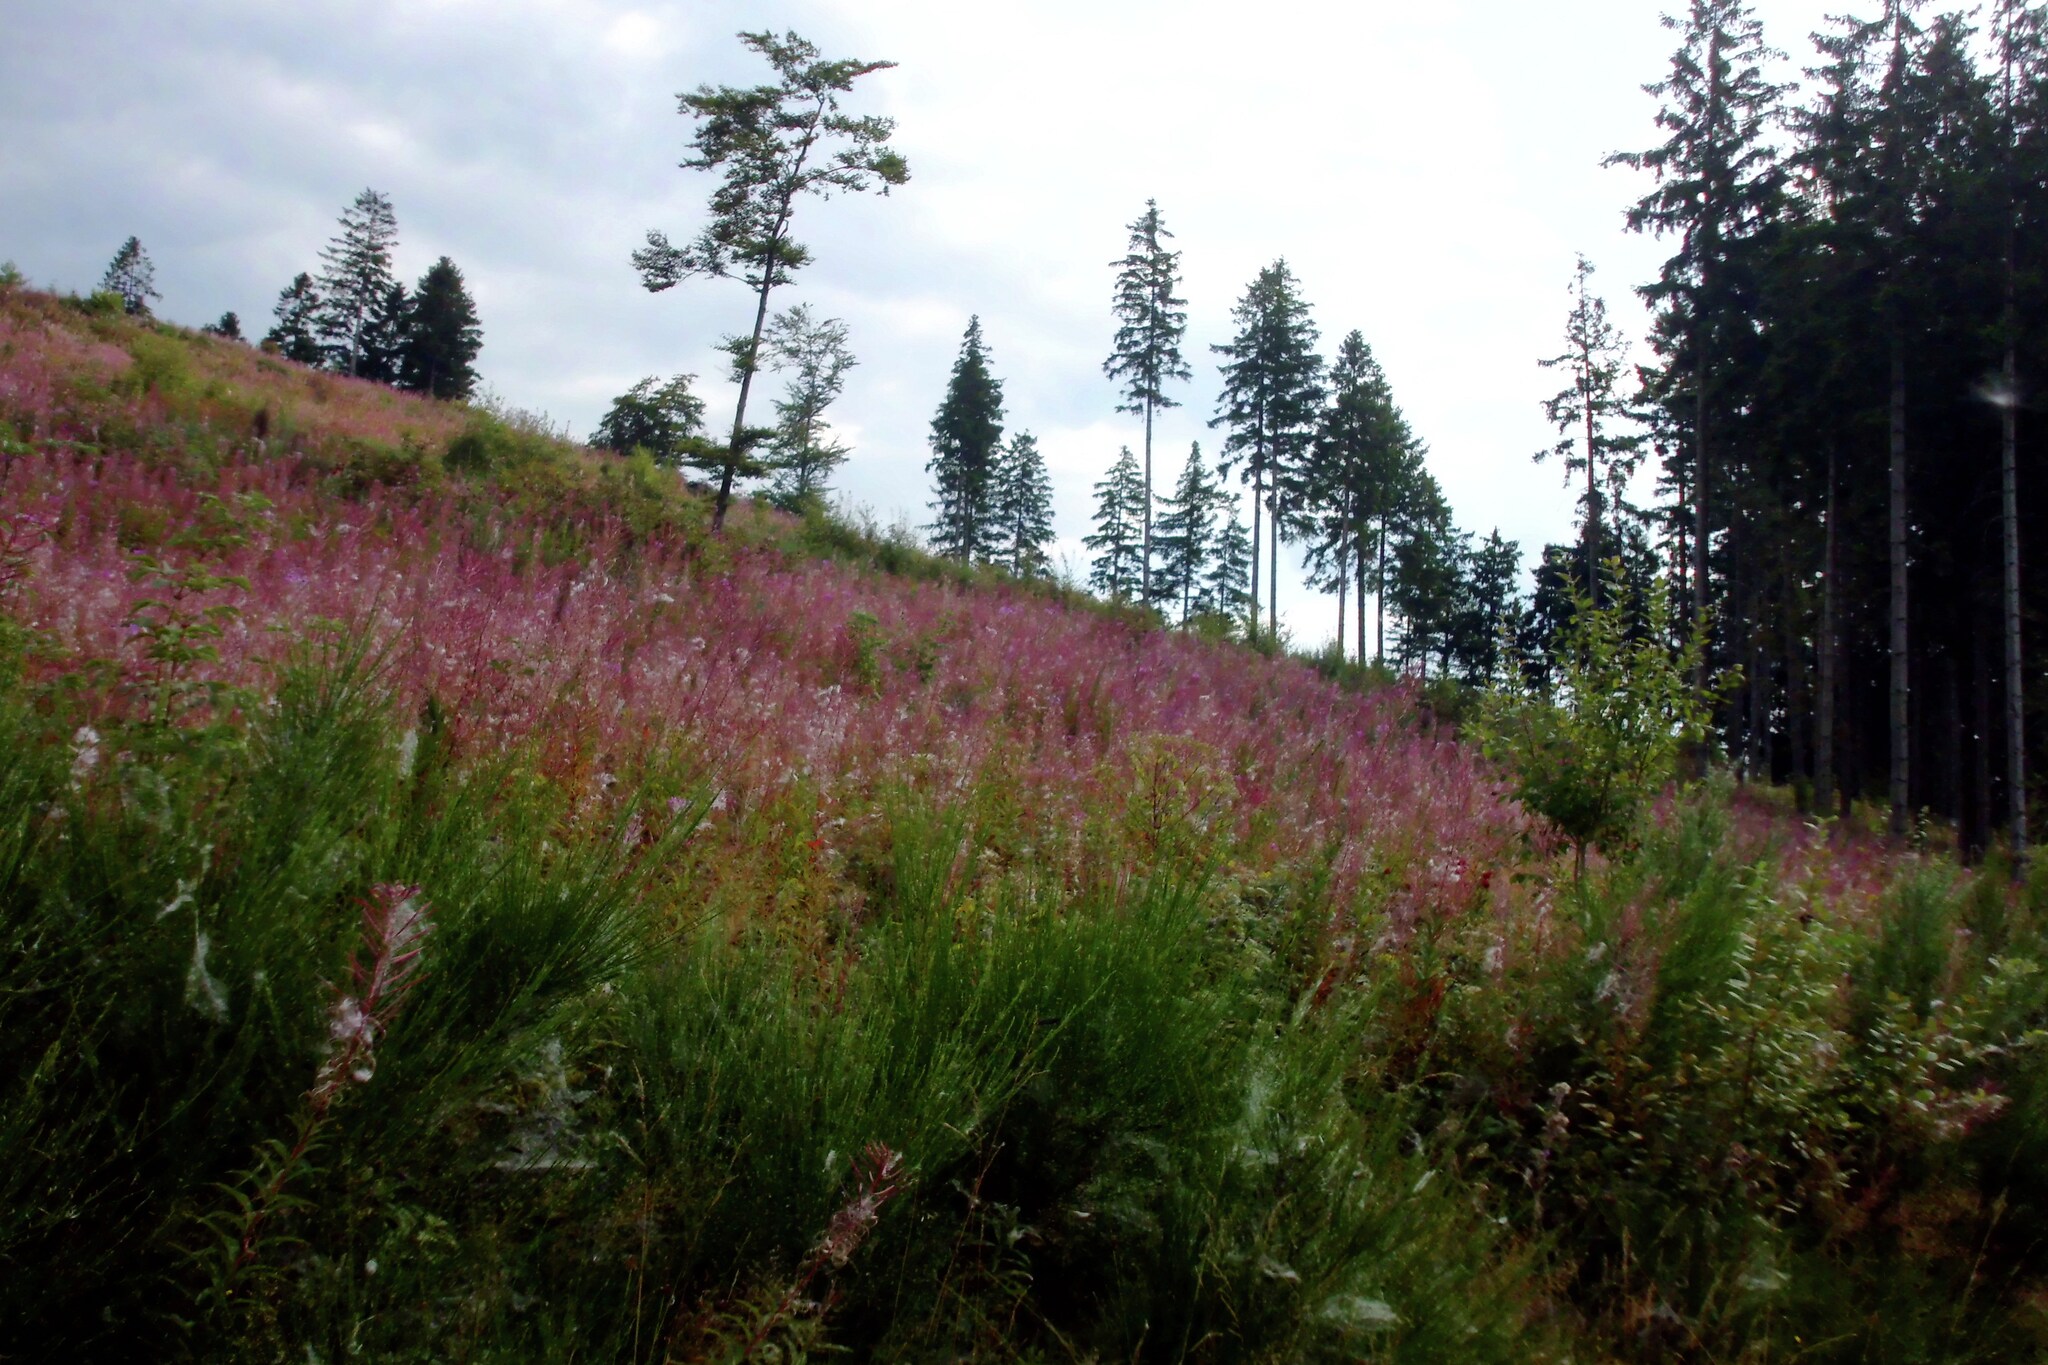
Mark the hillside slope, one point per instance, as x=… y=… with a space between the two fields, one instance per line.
x=455 y=906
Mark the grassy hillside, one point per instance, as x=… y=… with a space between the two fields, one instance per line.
x=455 y=908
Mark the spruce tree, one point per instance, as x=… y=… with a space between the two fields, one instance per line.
x=1226 y=587
x=1586 y=413
x=296 y=335
x=966 y=443
x=1359 y=472
x=1022 y=508
x=773 y=145
x=132 y=276
x=356 y=280
x=1186 y=533
x=1272 y=390
x=1118 y=539
x=384 y=338
x=1717 y=183
x=229 y=328
x=814 y=353
x=444 y=338
x=1492 y=607
x=1150 y=323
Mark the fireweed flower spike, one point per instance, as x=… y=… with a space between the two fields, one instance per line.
x=383 y=969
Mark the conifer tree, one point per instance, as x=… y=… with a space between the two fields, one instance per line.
x=1492 y=607
x=229 y=328
x=1587 y=411
x=1185 y=536
x=296 y=334
x=1147 y=356
x=356 y=280
x=773 y=145
x=444 y=338
x=1358 y=475
x=1118 y=539
x=1226 y=587
x=1272 y=390
x=966 y=444
x=1717 y=182
x=1022 y=508
x=384 y=337
x=813 y=352
x=132 y=276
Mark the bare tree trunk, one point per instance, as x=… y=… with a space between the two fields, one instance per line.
x=1145 y=574
x=1258 y=505
x=739 y=416
x=1343 y=586
x=1359 y=608
x=1901 y=739
x=1824 y=722
x=2009 y=499
x=1379 y=602
x=1273 y=576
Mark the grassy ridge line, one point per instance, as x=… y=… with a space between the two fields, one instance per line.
x=1214 y=1011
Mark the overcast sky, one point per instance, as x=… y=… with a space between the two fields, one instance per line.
x=1428 y=168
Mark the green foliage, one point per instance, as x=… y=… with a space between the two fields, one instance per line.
x=491 y=443
x=161 y=366
x=663 y=419
x=1588 y=751
x=10 y=276
x=1118 y=539
x=131 y=277
x=967 y=455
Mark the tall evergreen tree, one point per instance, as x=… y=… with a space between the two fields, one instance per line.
x=1586 y=413
x=1118 y=539
x=1272 y=390
x=132 y=276
x=1358 y=476
x=966 y=443
x=1146 y=356
x=1492 y=608
x=773 y=145
x=444 y=338
x=1186 y=532
x=1022 y=508
x=1717 y=183
x=356 y=279
x=813 y=352
x=385 y=335
x=1227 y=586
x=296 y=334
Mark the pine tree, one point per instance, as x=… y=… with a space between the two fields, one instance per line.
x=1147 y=356
x=356 y=280
x=773 y=144
x=1226 y=588
x=1022 y=508
x=1118 y=540
x=1272 y=391
x=444 y=339
x=966 y=442
x=814 y=354
x=1186 y=532
x=1586 y=412
x=229 y=328
x=664 y=419
x=296 y=335
x=132 y=276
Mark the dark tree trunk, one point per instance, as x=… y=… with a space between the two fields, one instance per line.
x=1900 y=791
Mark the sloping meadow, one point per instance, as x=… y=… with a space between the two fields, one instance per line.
x=457 y=907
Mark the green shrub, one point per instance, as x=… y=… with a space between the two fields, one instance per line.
x=1588 y=751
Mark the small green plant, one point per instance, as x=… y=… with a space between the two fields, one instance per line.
x=1590 y=750
x=10 y=276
